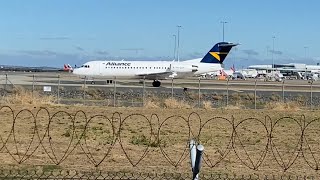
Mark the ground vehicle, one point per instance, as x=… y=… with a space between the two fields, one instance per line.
x=238 y=75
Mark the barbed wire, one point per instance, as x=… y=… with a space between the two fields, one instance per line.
x=154 y=136
x=114 y=175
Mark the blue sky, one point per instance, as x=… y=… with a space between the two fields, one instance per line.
x=51 y=33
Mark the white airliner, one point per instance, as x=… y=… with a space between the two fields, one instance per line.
x=157 y=70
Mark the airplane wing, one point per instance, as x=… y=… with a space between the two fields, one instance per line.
x=154 y=76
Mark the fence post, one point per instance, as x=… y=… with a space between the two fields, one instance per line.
x=143 y=91
x=172 y=88
x=5 y=87
x=114 y=91
x=199 y=93
x=84 y=90
x=58 y=95
x=33 y=79
x=227 y=91
x=283 y=91
x=311 y=94
x=255 y=94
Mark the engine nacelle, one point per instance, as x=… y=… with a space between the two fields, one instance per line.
x=184 y=68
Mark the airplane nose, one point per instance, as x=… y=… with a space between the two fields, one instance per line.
x=75 y=71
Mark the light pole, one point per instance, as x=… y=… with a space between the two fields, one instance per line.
x=178 y=41
x=223 y=22
x=175 y=47
x=273 y=37
x=305 y=58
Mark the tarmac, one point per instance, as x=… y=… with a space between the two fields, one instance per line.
x=129 y=90
x=68 y=79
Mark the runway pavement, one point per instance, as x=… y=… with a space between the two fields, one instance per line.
x=130 y=92
x=70 y=80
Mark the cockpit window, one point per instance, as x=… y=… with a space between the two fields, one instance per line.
x=85 y=66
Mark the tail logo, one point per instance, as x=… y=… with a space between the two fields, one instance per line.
x=217 y=54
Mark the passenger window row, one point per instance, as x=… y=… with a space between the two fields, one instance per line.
x=113 y=67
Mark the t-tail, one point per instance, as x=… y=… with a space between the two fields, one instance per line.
x=218 y=53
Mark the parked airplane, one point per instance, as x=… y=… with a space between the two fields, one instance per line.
x=157 y=70
x=67 y=67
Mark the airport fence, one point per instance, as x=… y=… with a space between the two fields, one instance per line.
x=47 y=139
x=253 y=94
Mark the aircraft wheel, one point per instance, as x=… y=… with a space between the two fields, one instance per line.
x=156 y=83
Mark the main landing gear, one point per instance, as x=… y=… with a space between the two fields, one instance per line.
x=156 y=83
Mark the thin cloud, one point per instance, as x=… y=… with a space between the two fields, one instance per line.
x=101 y=52
x=250 y=52
x=132 y=49
x=195 y=55
x=55 y=38
x=276 y=52
x=136 y=50
x=78 y=48
x=40 y=58
x=38 y=52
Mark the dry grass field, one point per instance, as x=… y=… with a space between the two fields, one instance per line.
x=135 y=138
x=278 y=140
